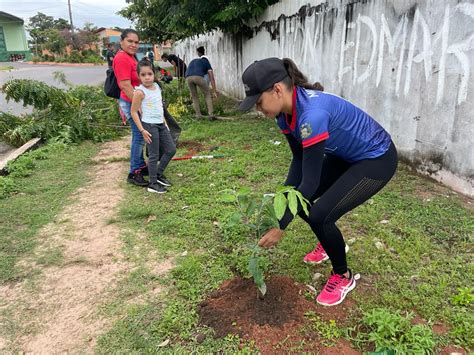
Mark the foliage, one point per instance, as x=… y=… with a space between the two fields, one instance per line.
x=463 y=328
x=74 y=56
x=258 y=218
x=23 y=167
x=392 y=332
x=7 y=186
x=39 y=95
x=71 y=116
x=55 y=34
x=464 y=297
x=179 y=108
x=81 y=38
x=160 y=20
x=60 y=77
x=55 y=43
x=40 y=24
x=329 y=331
x=287 y=196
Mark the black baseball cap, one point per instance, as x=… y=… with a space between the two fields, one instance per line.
x=260 y=76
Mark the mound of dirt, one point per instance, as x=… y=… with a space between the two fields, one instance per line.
x=193 y=147
x=274 y=323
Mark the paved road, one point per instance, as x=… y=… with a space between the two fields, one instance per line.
x=92 y=75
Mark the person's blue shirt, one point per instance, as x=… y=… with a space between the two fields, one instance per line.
x=350 y=133
x=198 y=67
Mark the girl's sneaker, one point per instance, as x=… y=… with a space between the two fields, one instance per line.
x=156 y=188
x=336 y=289
x=318 y=255
x=163 y=180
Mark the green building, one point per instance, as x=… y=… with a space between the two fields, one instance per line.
x=12 y=37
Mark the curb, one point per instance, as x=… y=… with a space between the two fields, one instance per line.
x=66 y=64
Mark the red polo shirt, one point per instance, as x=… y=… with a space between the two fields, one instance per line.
x=125 y=68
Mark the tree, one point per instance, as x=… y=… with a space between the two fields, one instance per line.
x=56 y=42
x=160 y=20
x=37 y=26
x=87 y=34
x=62 y=24
x=40 y=26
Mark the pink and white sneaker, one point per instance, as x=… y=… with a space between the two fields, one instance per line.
x=318 y=255
x=336 y=289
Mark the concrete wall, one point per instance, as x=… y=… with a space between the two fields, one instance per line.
x=405 y=62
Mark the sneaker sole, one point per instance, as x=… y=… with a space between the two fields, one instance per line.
x=326 y=258
x=316 y=262
x=163 y=183
x=344 y=294
x=137 y=184
x=156 y=192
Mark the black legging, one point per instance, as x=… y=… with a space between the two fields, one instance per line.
x=344 y=186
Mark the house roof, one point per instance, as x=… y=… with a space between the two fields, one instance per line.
x=11 y=17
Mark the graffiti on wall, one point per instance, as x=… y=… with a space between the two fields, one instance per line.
x=409 y=42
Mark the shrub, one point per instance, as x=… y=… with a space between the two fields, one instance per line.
x=392 y=332
x=81 y=113
x=22 y=167
x=7 y=186
x=464 y=297
x=74 y=57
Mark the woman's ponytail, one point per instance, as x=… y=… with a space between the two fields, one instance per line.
x=298 y=78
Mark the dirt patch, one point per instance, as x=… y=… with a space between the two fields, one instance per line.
x=192 y=147
x=342 y=347
x=274 y=323
x=452 y=350
x=60 y=313
x=441 y=328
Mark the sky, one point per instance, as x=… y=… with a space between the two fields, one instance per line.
x=101 y=13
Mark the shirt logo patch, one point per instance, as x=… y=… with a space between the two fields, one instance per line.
x=305 y=130
x=311 y=93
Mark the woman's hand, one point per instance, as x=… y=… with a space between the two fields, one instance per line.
x=271 y=238
x=146 y=135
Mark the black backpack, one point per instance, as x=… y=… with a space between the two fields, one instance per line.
x=111 y=87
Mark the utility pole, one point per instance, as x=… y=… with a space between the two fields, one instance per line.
x=72 y=26
x=70 y=16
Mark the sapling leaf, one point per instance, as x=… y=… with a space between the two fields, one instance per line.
x=234 y=219
x=252 y=226
x=293 y=202
x=279 y=204
x=304 y=202
x=257 y=274
x=285 y=188
x=243 y=202
x=244 y=191
x=228 y=197
x=251 y=208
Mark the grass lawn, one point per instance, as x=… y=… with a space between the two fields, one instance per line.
x=6 y=67
x=38 y=189
x=411 y=243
